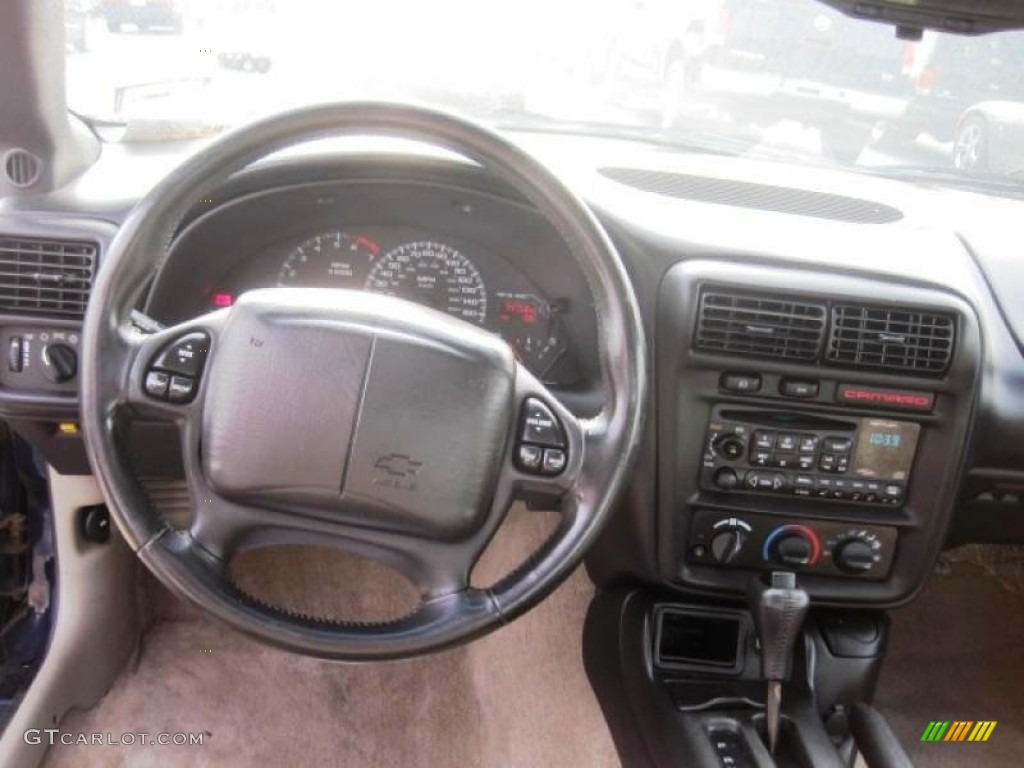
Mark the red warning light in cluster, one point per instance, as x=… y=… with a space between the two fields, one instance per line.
x=518 y=309
x=223 y=299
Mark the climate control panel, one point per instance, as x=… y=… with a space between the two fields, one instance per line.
x=766 y=542
x=862 y=460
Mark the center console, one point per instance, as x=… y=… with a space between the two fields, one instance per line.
x=818 y=431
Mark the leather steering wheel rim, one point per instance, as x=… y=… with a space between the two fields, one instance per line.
x=602 y=448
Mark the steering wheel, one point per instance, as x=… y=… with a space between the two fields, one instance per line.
x=364 y=422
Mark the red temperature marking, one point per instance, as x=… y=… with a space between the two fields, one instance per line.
x=369 y=244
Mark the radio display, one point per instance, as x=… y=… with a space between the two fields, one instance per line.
x=885 y=449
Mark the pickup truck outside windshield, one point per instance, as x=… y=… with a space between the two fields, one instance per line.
x=790 y=78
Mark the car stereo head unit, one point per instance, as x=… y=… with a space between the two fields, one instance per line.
x=862 y=460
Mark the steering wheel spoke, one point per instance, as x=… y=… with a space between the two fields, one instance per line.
x=164 y=370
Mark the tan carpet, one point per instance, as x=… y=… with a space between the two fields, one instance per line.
x=518 y=697
x=957 y=653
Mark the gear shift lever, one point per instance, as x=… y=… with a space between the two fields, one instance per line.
x=779 y=610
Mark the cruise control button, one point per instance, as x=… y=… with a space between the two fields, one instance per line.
x=540 y=425
x=530 y=457
x=554 y=461
x=156 y=384
x=185 y=356
x=181 y=389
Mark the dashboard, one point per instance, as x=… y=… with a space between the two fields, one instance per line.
x=801 y=434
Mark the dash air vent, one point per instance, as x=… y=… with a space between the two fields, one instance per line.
x=51 y=277
x=890 y=338
x=760 y=326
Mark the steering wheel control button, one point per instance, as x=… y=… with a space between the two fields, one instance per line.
x=530 y=457
x=743 y=383
x=541 y=449
x=554 y=461
x=156 y=384
x=174 y=373
x=540 y=425
x=185 y=356
x=181 y=389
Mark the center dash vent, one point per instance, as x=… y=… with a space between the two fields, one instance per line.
x=760 y=326
x=51 y=277
x=891 y=338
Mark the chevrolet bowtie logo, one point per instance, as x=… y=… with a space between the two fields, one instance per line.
x=398 y=465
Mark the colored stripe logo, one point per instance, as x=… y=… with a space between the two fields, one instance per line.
x=958 y=730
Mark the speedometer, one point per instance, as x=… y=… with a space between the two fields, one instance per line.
x=433 y=274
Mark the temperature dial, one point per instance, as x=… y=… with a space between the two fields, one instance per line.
x=792 y=546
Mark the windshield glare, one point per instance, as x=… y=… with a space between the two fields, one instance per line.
x=762 y=77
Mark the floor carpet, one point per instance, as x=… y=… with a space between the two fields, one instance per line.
x=957 y=653
x=518 y=697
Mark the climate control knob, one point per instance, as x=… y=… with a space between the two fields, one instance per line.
x=854 y=556
x=792 y=546
x=728 y=536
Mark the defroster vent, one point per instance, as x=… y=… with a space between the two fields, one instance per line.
x=760 y=326
x=897 y=339
x=50 y=277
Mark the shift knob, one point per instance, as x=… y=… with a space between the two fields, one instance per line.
x=779 y=610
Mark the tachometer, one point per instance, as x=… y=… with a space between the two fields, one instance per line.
x=435 y=275
x=333 y=259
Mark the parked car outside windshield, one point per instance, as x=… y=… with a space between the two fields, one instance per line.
x=764 y=78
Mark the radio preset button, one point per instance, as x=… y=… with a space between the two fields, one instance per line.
x=838 y=444
x=786 y=442
x=784 y=460
x=760 y=458
x=808 y=444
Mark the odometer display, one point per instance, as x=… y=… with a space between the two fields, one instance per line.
x=432 y=274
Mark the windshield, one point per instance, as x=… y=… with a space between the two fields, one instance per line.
x=755 y=77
